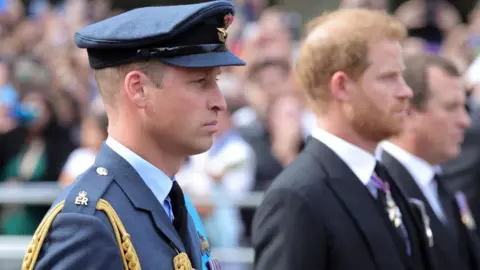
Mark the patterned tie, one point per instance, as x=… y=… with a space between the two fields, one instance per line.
x=385 y=197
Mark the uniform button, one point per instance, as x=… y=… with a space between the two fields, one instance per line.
x=102 y=171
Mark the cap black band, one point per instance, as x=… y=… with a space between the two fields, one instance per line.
x=181 y=50
x=102 y=58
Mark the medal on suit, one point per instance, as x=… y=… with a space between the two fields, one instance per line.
x=465 y=212
x=394 y=213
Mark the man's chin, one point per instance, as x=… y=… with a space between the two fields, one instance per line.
x=201 y=146
x=380 y=134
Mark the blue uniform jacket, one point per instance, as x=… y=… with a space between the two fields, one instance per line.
x=82 y=237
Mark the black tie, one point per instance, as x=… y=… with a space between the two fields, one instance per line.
x=384 y=176
x=381 y=172
x=180 y=213
x=179 y=209
x=445 y=200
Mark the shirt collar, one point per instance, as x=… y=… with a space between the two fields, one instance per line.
x=421 y=171
x=361 y=162
x=158 y=182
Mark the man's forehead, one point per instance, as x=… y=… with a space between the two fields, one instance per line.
x=438 y=74
x=392 y=66
x=387 y=55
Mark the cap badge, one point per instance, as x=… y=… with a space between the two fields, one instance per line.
x=222 y=31
x=222 y=34
x=228 y=19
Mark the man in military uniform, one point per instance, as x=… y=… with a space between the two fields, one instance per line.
x=156 y=68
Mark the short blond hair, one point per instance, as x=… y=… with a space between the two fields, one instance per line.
x=109 y=78
x=339 y=41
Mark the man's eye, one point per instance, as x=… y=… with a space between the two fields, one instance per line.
x=202 y=80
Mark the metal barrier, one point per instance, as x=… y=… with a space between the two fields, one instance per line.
x=45 y=193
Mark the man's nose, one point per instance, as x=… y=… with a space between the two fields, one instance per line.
x=405 y=92
x=217 y=101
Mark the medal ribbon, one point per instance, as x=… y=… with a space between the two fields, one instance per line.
x=393 y=211
x=379 y=184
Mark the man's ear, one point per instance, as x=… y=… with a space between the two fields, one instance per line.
x=134 y=85
x=340 y=82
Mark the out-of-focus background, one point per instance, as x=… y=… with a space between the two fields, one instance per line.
x=52 y=120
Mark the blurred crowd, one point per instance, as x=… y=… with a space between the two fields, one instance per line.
x=52 y=120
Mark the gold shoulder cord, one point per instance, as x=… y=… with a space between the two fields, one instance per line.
x=129 y=256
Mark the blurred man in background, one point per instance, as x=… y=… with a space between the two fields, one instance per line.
x=433 y=133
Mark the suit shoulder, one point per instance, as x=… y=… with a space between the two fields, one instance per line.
x=302 y=176
x=84 y=194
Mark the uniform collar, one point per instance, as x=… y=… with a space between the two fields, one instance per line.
x=156 y=180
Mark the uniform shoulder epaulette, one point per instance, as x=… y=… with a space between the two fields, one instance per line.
x=87 y=191
x=85 y=197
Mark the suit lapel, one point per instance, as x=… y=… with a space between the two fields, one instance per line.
x=358 y=203
x=468 y=240
x=407 y=184
x=138 y=192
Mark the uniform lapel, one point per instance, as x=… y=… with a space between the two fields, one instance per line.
x=138 y=192
x=358 y=203
x=193 y=245
x=407 y=184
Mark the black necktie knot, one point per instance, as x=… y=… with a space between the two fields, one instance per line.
x=440 y=185
x=176 y=195
x=381 y=171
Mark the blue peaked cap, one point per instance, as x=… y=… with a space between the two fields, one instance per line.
x=182 y=35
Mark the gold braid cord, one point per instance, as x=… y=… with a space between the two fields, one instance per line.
x=129 y=256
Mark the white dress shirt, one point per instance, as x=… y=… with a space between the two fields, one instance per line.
x=361 y=162
x=422 y=173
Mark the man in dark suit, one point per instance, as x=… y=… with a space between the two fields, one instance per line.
x=463 y=172
x=433 y=134
x=335 y=207
x=156 y=68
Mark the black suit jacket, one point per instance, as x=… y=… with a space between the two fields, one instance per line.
x=318 y=215
x=455 y=247
x=463 y=173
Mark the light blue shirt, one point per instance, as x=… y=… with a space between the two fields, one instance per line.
x=160 y=184
x=157 y=181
